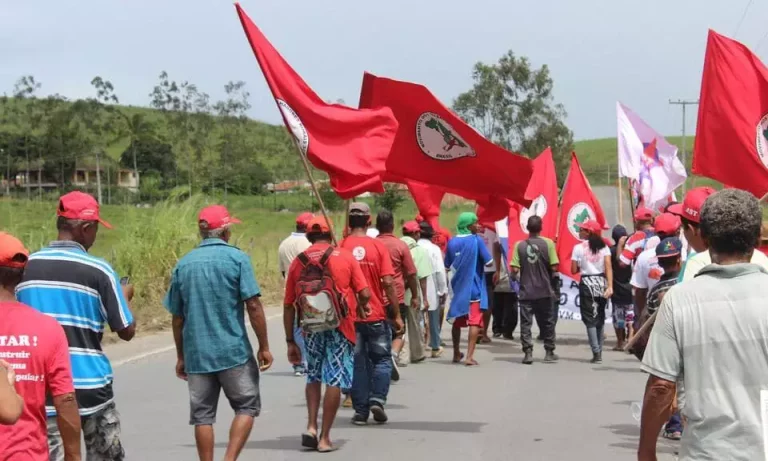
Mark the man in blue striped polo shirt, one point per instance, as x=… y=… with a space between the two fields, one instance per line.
x=84 y=294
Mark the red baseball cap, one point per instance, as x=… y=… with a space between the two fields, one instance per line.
x=643 y=214
x=690 y=209
x=81 y=206
x=215 y=217
x=318 y=224
x=304 y=218
x=411 y=226
x=12 y=252
x=419 y=218
x=591 y=225
x=667 y=223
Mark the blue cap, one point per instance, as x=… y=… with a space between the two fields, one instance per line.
x=670 y=246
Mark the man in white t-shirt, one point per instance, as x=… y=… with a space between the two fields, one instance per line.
x=437 y=288
x=646 y=273
x=289 y=248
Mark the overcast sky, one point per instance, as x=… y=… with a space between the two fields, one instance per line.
x=599 y=51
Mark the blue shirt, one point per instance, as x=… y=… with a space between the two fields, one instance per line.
x=208 y=289
x=466 y=256
x=83 y=293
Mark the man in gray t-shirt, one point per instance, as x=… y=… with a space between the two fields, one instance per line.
x=711 y=334
x=536 y=262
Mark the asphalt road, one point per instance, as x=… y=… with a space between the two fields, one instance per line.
x=500 y=410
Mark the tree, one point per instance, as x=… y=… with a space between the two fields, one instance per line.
x=232 y=114
x=151 y=157
x=26 y=114
x=391 y=199
x=512 y=104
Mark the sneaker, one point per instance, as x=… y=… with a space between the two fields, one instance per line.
x=437 y=353
x=379 y=415
x=395 y=370
x=359 y=420
x=597 y=357
x=528 y=359
x=509 y=337
x=673 y=435
x=299 y=371
x=497 y=335
x=551 y=357
x=347 y=401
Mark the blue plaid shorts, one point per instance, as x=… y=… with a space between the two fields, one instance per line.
x=330 y=359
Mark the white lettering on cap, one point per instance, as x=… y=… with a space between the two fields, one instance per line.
x=692 y=212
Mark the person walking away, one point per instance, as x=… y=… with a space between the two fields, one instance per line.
x=535 y=261
x=466 y=256
x=210 y=286
x=592 y=259
x=34 y=344
x=621 y=301
x=405 y=276
x=710 y=333
x=424 y=273
x=689 y=213
x=489 y=238
x=287 y=251
x=639 y=240
x=373 y=342
x=326 y=288
x=646 y=272
x=437 y=289
x=505 y=296
x=83 y=293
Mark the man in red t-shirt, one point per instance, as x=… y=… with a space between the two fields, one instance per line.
x=405 y=274
x=37 y=350
x=330 y=354
x=373 y=349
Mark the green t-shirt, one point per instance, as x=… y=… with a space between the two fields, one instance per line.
x=422 y=262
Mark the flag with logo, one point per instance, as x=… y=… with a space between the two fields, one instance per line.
x=434 y=146
x=647 y=160
x=351 y=145
x=732 y=130
x=579 y=204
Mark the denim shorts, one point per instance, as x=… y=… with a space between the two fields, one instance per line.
x=330 y=359
x=240 y=385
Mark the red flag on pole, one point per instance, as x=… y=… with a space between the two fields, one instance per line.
x=351 y=145
x=732 y=131
x=579 y=205
x=427 y=198
x=434 y=146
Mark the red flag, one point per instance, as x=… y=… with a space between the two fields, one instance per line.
x=732 y=132
x=434 y=146
x=491 y=209
x=350 y=145
x=579 y=204
x=427 y=198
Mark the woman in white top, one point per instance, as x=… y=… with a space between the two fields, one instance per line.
x=592 y=259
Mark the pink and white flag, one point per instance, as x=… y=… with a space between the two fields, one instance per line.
x=647 y=159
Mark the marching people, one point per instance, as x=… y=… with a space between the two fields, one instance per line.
x=646 y=272
x=437 y=288
x=373 y=343
x=535 y=262
x=287 y=251
x=210 y=286
x=710 y=334
x=638 y=241
x=505 y=296
x=84 y=294
x=488 y=235
x=326 y=288
x=592 y=259
x=466 y=256
x=424 y=274
x=621 y=301
x=36 y=345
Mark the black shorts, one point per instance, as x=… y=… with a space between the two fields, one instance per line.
x=240 y=385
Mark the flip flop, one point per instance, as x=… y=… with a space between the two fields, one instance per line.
x=309 y=440
x=461 y=357
x=472 y=363
x=330 y=449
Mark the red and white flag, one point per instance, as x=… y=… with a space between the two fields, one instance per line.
x=647 y=160
x=351 y=145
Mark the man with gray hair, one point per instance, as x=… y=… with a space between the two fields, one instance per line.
x=710 y=334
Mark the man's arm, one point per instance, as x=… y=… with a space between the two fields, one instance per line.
x=658 y=406
x=68 y=421
x=177 y=324
x=11 y=404
x=259 y=324
x=641 y=300
x=423 y=285
x=119 y=316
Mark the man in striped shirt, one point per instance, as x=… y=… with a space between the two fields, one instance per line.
x=84 y=294
x=643 y=237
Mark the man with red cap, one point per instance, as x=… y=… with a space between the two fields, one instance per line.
x=36 y=346
x=84 y=294
x=209 y=287
x=328 y=289
x=647 y=271
x=287 y=251
x=638 y=242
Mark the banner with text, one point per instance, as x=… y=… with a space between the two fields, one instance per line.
x=569 y=301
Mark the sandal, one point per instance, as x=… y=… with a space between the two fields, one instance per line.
x=309 y=440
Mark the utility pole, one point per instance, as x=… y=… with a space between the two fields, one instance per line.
x=98 y=175
x=7 y=173
x=684 y=103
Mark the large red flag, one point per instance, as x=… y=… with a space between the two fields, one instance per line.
x=579 y=204
x=732 y=132
x=434 y=146
x=427 y=198
x=351 y=145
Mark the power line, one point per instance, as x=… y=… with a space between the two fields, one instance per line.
x=684 y=103
x=760 y=43
x=741 y=21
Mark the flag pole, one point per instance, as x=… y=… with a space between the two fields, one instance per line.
x=305 y=162
x=620 y=219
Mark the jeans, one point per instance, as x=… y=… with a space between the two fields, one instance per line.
x=675 y=424
x=298 y=336
x=595 y=335
x=504 y=312
x=373 y=366
x=542 y=310
x=434 y=330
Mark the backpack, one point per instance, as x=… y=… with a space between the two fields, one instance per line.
x=319 y=303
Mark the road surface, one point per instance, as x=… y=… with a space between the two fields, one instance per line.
x=500 y=410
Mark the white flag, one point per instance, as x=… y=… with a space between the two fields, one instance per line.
x=658 y=171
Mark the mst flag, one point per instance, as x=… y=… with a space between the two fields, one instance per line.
x=579 y=204
x=647 y=159
x=732 y=132
x=427 y=198
x=350 y=145
x=434 y=146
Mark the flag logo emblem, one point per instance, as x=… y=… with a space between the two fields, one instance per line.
x=358 y=253
x=762 y=140
x=579 y=213
x=538 y=208
x=439 y=140
x=299 y=132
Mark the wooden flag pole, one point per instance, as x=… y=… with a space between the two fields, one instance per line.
x=643 y=329
x=620 y=219
x=305 y=162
